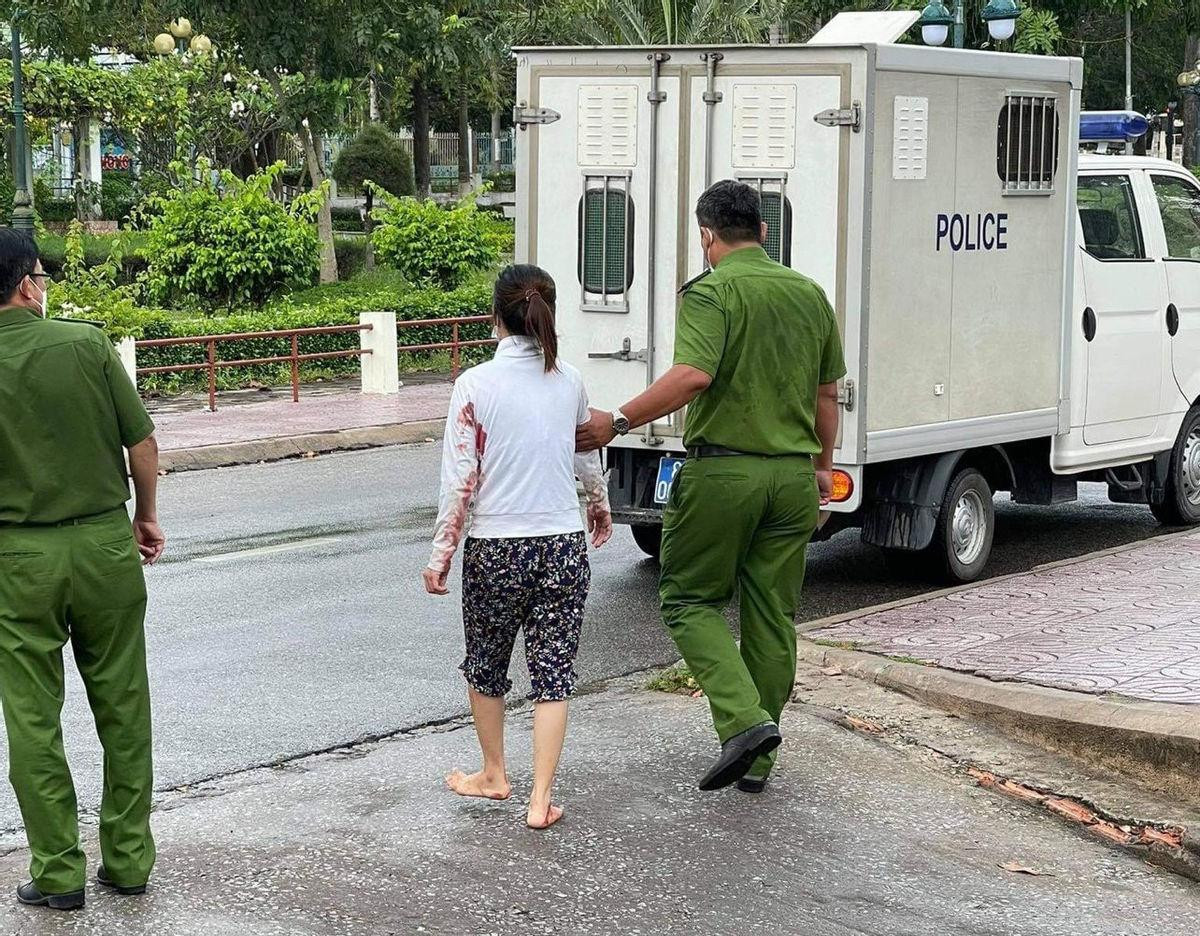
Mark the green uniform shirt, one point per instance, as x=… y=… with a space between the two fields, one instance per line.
x=768 y=337
x=67 y=409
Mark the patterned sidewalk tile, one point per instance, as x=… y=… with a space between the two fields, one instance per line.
x=1128 y=623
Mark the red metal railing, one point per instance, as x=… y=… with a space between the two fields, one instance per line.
x=454 y=344
x=212 y=363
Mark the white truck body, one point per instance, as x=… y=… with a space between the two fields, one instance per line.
x=931 y=193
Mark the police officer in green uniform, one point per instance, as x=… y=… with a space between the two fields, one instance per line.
x=71 y=570
x=757 y=360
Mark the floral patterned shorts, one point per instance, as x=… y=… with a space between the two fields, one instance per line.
x=536 y=584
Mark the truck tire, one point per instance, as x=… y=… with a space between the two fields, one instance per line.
x=1181 y=504
x=966 y=525
x=648 y=537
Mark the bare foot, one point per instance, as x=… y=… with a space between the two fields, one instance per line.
x=543 y=818
x=479 y=784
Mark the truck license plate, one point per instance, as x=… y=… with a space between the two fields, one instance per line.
x=667 y=469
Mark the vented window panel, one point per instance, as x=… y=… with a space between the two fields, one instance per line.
x=606 y=226
x=776 y=214
x=1027 y=144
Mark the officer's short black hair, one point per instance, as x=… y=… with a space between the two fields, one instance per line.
x=732 y=210
x=18 y=258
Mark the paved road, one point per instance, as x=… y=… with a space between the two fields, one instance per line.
x=852 y=837
x=287 y=617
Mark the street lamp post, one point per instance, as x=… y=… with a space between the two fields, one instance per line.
x=22 y=212
x=937 y=20
x=176 y=40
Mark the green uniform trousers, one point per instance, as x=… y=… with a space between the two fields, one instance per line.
x=744 y=521
x=80 y=581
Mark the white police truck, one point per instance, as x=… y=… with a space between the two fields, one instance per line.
x=1016 y=317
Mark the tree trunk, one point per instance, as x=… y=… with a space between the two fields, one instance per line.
x=494 y=156
x=464 y=144
x=368 y=228
x=316 y=172
x=421 y=156
x=1191 y=106
x=372 y=97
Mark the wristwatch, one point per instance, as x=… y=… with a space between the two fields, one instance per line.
x=620 y=423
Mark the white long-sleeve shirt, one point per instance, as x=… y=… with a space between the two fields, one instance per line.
x=508 y=458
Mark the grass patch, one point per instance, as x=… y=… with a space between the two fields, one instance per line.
x=838 y=644
x=676 y=679
x=909 y=659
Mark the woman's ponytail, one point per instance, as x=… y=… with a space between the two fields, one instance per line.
x=523 y=300
x=539 y=323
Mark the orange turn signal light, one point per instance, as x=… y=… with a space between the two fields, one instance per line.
x=843 y=486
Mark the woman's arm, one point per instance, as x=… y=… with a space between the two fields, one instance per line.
x=462 y=448
x=590 y=471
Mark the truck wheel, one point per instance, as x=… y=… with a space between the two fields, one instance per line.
x=962 y=540
x=649 y=538
x=1181 y=505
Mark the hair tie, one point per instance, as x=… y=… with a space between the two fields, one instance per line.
x=533 y=292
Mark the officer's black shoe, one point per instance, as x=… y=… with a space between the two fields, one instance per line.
x=739 y=753
x=104 y=880
x=29 y=895
x=752 y=784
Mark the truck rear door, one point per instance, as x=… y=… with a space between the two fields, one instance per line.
x=602 y=179
x=757 y=125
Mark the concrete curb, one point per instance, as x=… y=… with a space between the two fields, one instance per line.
x=1155 y=741
x=275 y=449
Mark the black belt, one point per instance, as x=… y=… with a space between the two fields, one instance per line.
x=73 y=521
x=713 y=451
x=719 y=451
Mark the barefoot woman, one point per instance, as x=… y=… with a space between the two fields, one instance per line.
x=508 y=481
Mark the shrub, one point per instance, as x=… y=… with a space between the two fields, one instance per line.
x=8 y=191
x=97 y=249
x=503 y=181
x=118 y=197
x=434 y=246
x=346 y=219
x=91 y=291
x=227 y=241
x=374 y=155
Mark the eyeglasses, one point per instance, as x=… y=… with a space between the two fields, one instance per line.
x=40 y=276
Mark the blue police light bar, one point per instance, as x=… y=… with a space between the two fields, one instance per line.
x=1111 y=126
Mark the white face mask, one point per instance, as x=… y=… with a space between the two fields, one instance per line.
x=43 y=302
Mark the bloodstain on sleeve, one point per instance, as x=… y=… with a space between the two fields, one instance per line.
x=590 y=471
x=462 y=453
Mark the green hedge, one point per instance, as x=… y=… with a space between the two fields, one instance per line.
x=346 y=219
x=96 y=249
x=338 y=304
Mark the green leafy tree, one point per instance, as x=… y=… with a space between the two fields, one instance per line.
x=434 y=246
x=679 y=22
x=374 y=156
x=313 y=42
x=227 y=242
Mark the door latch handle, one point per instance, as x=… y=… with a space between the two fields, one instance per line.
x=625 y=354
x=846 y=395
x=1089 y=324
x=1172 y=320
